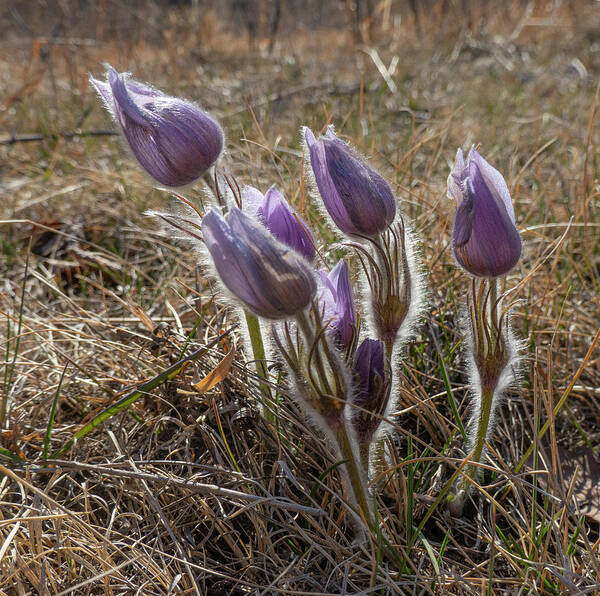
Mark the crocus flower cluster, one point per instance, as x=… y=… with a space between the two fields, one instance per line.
x=361 y=205
x=263 y=253
x=344 y=389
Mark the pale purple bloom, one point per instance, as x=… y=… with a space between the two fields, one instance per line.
x=175 y=141
x=265 y=276
x=372 y=390
x=485 y=239
x=275 y=213
x=357 y=198
x=337 y=303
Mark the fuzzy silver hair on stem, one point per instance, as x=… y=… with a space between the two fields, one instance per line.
x=492 y=353
x=393 y=281
x=387 y=270
x=323 y=384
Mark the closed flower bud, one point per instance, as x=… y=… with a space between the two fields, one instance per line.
x=275 y=213
x=485 y=239
x=372 y=388
x=337 y=304
x=270 y=280
x=357 y=198
x=175 y=141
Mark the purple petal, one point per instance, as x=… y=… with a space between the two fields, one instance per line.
x=358 y=197
x=275 y=204
x=285 y=224
x=386 y=194
x=463 y=224
x=340 y=279
x=330 y=134
x=327 y=189
x=283 y=282
x=125 y=104
x=495 y=182
x=346 y=322
x=136 y=88
x=337 y=302
x=381 y=187
x=309 y=137
x=327 y=296
x=459 y=161
x=174 y=141
x=252 y=199
x=493 y=246
x=229 y=257
x=457 y=177
x=189 y=139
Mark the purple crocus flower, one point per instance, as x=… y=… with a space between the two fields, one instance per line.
x=372 y=390
x=337 y=303
x=358 y=199
x=270 y=280
x=174 y=140
x=485 y=239
x=280 y=219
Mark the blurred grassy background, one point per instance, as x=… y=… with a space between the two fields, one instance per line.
x=108 y=296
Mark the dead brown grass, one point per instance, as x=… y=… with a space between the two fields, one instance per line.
x=189 y=493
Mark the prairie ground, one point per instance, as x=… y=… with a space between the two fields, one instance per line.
x=188 y=492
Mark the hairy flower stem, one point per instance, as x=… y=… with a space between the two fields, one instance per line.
x=210 y=179
x=457 y=499
x=258 y=349
x=487 y=401
x=330 y=403
x=356 y=475
x=490 y=355
x=364 y=455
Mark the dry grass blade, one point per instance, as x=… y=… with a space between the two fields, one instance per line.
x=216 y=375
x=143 y=388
